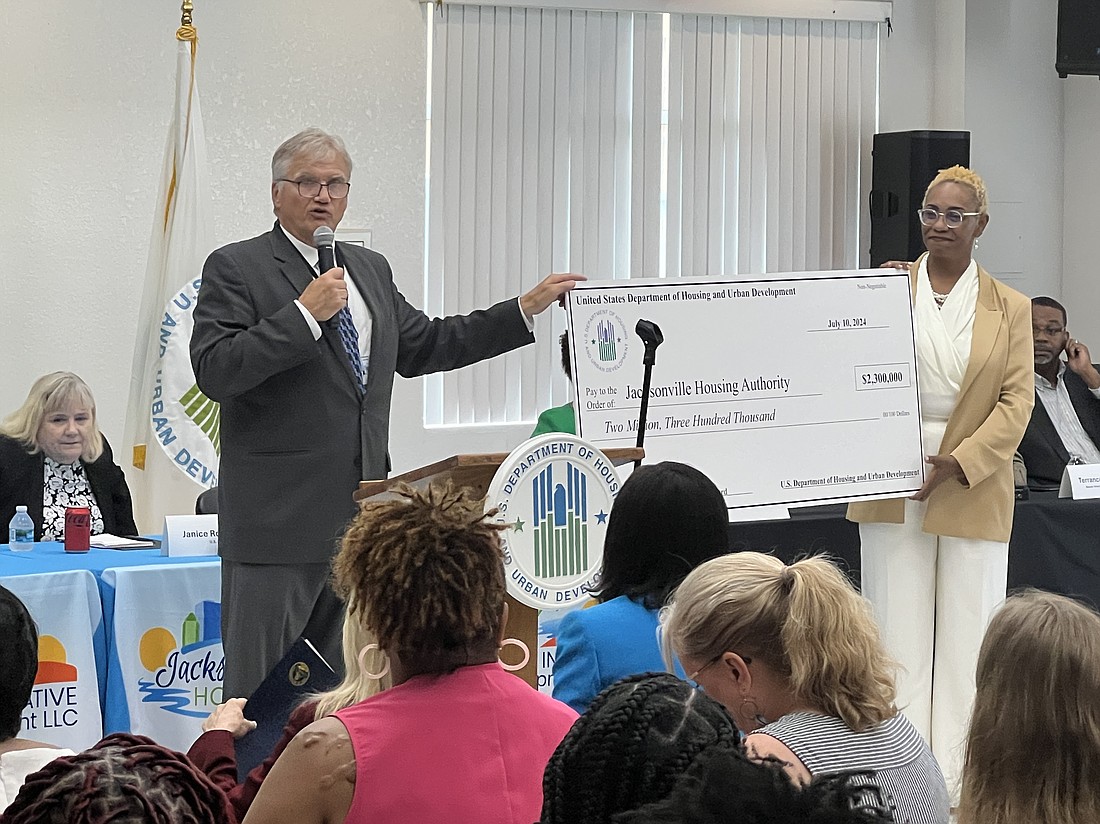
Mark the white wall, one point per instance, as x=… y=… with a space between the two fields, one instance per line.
x=87 y=93
x=1080 y=260
x=987 y=66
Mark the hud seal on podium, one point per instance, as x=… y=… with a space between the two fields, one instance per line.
x=555 y=493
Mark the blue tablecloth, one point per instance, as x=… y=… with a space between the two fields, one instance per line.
x=151 y=625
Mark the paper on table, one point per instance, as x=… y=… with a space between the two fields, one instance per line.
x=109 y=541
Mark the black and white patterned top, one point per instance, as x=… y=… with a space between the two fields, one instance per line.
x=902 y=764
x=65 y=485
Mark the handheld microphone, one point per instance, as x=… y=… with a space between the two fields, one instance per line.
x=324 y=239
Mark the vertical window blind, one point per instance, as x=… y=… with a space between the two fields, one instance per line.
x=623 y=145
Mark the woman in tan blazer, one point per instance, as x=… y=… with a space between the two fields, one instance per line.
x=936 y=566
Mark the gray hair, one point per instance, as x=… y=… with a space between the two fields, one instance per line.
x=312 y=143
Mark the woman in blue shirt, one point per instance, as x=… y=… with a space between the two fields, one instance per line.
x=667 y=519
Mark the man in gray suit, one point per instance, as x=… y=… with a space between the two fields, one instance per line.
x=302 y=363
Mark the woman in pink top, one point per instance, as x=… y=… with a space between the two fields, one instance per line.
x=457 y=739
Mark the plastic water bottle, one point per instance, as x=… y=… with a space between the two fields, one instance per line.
x=21 y=531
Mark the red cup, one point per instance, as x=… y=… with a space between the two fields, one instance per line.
x=78 y=528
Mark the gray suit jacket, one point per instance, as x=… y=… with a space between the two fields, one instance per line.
x=296 y=437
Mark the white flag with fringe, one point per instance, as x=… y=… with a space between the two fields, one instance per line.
x=172 y=427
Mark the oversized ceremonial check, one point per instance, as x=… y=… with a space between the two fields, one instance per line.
x=785 y=389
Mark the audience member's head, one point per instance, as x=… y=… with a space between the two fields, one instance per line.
x=57 y=400
x=124 y=779
x=361 y=668
x=635 y=741
x=725 y=787
x=18 y=662
x=667 y=519
x=1033 y=751
x=762 y=638
x=433 y=566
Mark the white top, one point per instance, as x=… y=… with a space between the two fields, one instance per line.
x=1059 y=407
x=944 y=334
x=360 y=314
x=16 y=765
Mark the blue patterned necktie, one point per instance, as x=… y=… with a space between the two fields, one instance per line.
x=350 y=338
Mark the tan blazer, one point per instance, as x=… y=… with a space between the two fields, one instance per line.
x=991 y=414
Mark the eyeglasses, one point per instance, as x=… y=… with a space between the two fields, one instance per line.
x=1049 y=331
x=337 y=189
x=691 y=678
x=952 y=217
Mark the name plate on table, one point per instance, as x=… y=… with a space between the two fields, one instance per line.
x=187 y=535
x=1080 y=482
x=786 y=390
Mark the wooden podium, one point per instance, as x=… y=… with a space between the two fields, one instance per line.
x=475 y=472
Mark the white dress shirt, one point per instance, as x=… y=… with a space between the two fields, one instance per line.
x=360 y=314
x=1059 y=407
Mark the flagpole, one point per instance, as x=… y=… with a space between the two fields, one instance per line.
x=185 y=19
x=173 y=429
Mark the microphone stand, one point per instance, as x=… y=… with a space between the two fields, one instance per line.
x=651 y=336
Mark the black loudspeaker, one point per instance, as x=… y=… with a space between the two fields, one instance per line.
x=903 y=164
x=1078 y=37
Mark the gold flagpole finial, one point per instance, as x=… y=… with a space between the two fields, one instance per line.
x=186 y=31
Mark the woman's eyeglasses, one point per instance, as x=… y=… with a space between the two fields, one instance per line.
x=691 y=678
x=952 y=217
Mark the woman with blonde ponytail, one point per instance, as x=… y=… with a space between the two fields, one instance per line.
x=794 y=654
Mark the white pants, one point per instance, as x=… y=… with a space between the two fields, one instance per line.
x=933 y=596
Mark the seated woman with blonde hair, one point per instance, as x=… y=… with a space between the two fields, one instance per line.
x=1033 y=751
x=53 y=456
x=456 y=738
x=795 y=656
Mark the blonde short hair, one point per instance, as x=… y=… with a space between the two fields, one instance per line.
x=55 y=392
x=805 y=621
x=964 y=177
x=1033 y=750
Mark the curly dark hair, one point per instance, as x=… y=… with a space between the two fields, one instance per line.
x=425 y=569
x=18 y=662
x=124 y=779
x=724 y=785
x=639 y=736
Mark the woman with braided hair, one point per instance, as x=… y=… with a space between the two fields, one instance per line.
x=725 y=786
x=456 y=738
x=124 y=779
x=794 y=654
x=630 y=748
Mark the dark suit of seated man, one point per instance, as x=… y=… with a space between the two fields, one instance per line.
x=1065 y=424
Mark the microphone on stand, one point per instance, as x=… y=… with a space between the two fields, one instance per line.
x=325 y=239
x=652 y=337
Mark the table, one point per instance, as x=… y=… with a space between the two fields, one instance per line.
x=136 y=634
x=1055 y=543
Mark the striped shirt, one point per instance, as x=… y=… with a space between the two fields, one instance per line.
x=902 y=764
